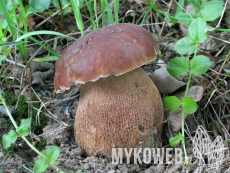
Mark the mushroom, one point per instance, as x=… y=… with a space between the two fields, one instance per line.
x=119 y=106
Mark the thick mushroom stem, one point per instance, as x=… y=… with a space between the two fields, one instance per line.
x=118 y=112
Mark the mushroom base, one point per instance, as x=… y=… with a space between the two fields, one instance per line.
x=118 y=112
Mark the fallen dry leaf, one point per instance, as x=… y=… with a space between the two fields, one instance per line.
x=31 y=22
x=164 y=82
x=194 y=92
x=175 y=120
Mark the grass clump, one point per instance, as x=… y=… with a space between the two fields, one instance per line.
x=21 y=112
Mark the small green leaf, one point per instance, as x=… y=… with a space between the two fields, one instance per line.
x=198 y=30
x=185 y=18
x=10 y=6
x=23 y=129
x=2 y=58
x=40 y=5
x=195 y=4
x=9 y=139
x=213 y=2
x=199 y=65
x=178 y=66
x=185 y=46
x=49 y=58
x=33 y=10
x=211 y=12
x=52 y=153
x=173 y=142
x=39 y=43
x=167 y=16
x=172 y=102
x=40 y=165
x=178 y=10
x=189 y=106
x=3 y=24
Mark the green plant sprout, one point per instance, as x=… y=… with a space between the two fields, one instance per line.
x=30 y=34
x=51 y=154
x=179 y=66
x=22 y=107
x=8 y=9
x=36 y=6
x=13 y=23
x=76 y=9
x=104 y=6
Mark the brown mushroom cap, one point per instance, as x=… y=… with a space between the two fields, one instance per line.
x=111 y=50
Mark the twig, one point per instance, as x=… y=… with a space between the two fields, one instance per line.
x=50 y=132
x=12 y=62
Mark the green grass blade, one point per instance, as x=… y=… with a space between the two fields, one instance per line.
x=17 y=23
x=147 y=12
x=23 y=12
x=103 y=12
x=90 y=13
x=116 y=10
x=6 y=54
x=76 y=9
x=224 y=30
x=49 y=58
x=158 y=12
x=10 y=25
x=14 y=12
x=7 y=16
x=12 y=43
x=95 y=11
x=43 y=32
x=110 y=15
x=42 y=45
x=1 y=33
